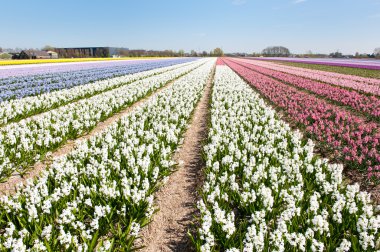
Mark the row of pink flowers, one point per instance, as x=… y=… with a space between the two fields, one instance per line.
x=367 y=104
x=349 y=138
x=371 y=81
x=367 y=85
x=356 y=78
x=219 y=61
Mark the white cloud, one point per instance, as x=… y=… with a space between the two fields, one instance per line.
x=239 y=2
x=298 y=1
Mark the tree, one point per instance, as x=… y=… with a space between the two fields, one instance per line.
x=193 y=53
x=181 y=53
x=276 y=51
x=204 y=54
x=336 y=54
x=218 y=52
x=5 y=56
x=123 y=52
x=376 y=52
x=47 y=48
x=1 y=50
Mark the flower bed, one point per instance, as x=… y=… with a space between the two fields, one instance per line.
x=19 y=87
x=25 y=142
x=15 y=110
x=264 y=188
x=367 y=85
x=100 y=195
x=346 y=137
x=369 y=105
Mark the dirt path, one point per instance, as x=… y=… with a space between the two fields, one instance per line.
x=177 y=199
x=8 y=187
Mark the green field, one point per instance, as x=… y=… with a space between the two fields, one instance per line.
x=337 y=69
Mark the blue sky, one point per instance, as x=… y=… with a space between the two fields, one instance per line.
x=235 y=25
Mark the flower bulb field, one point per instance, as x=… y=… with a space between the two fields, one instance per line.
x=211 y=154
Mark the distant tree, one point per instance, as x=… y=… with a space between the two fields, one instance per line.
x=181 y=53
x=123 y=52
x=309 y=54
x=336 y=54
x=376 y=52
x=193 y=53
x=1 y=50
x=218 y=52
x=357 y=55
x=204 y=54
x=276 y=51
x=47 y=48
x=5 y=56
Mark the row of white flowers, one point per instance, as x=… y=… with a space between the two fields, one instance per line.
x=18 y=109
x=264 y=188
x=25 y=142
x=98 y=196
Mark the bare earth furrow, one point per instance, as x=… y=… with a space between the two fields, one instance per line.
x=176 y=201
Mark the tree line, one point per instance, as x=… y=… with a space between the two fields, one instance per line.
x=217 y=52
x=271 y=51
x=281 y=51
x=170 y=53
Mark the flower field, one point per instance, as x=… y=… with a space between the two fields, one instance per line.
x=19 y=87
x=368 y=85
x=354 y=63
x=47 y=61
x=265 y=190
x=107 y=181
x=348 y=137
x=363 y=103
x=274 y=159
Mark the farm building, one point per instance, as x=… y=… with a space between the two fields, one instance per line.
x=89 y=52
x=53 y=55
x=34 y=54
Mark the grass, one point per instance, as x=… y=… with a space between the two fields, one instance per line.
x=337 y=69
x=42 y=61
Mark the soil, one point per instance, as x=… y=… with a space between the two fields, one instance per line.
x=176 y=201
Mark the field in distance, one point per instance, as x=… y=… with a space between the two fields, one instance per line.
x=43 y=61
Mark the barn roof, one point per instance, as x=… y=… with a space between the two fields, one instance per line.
x=36 y=53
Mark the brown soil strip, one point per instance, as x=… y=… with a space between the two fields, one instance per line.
x=177 y=199
x=9 y=186
x=354 y=176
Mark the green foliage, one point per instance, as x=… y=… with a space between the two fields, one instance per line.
x=218 y=52
x=276 y=51
x=5 y=56
x=48 y=48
